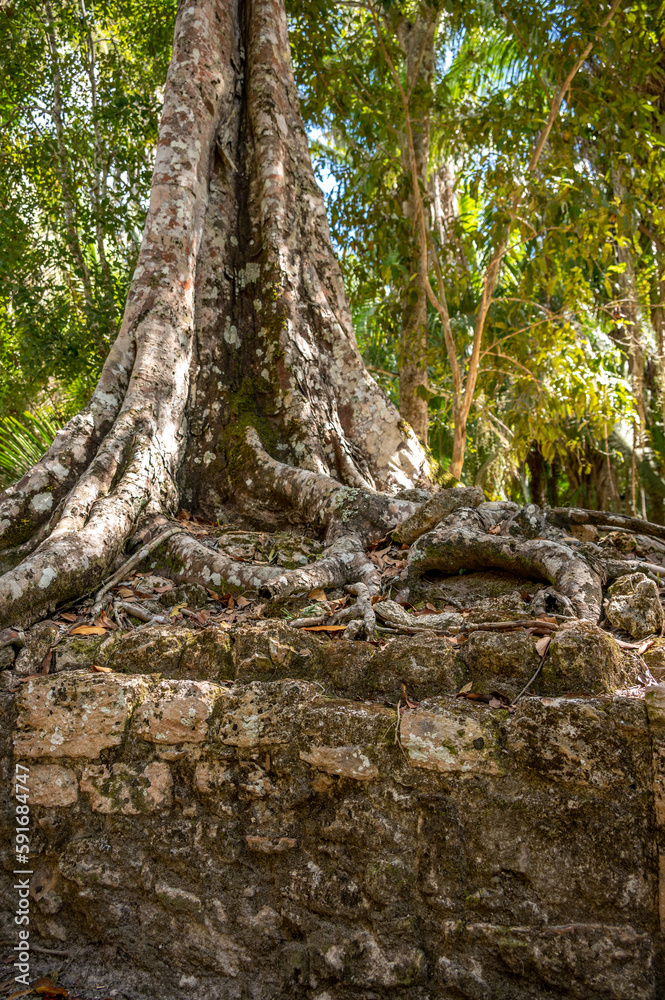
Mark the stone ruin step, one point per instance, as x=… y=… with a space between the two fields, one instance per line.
x=206 y=839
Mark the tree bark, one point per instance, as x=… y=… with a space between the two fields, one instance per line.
x=416 y=38
x=236 y=321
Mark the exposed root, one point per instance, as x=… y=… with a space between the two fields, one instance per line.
x=462 y=542
x=565 y=516
x=365 y=625
x=429 y=514
x=394 y=614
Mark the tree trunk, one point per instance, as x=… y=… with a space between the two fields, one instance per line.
x=236 y=343
x=235 y=380
x=416 y=39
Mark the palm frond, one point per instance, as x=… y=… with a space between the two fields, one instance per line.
x=23 y=442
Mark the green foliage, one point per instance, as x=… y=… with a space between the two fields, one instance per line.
x=23 y=442
x=80 y=99
x=572 y=348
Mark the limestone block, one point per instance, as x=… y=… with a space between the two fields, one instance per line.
x=447 y=737
x=271 y=649
x=500 y=655
x=583 y=658
x=52 y=785
x=344 y=665
x=634 y=605
x=177 y=712
x=427 y=665
x=74 y=714
x=262 y=713
x=601 y=743
x=654 y=697
x=347 y=762
x=123 y=789
x=174 y=651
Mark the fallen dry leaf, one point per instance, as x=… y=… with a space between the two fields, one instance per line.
x=46 y=985
x=467 y=687
x=47 y=661
x=318 y=594
x=542 y=644
x=495 y=530
x=20 y=993
x=410 y=704
x=88 y=630
x=323 y=628
x=124 y=591
x=105 y=622
x=494 y=699
x=242 y=602
x=69 y=616
x=100 y=670
x=213 y=593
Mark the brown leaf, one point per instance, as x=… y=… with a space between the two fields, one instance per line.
x=124 y=591
x=374 y=545
x=318 y=594
x=47 y=661
x=467 y=687
x=633 y=645
x=68 y=616
x=525 y=595
x=542 y=644
x=323 y=628
x=88 y=630
x=211 y=593
x=377 y=598
x=410 y=704
x=105 y=622
x=100 y=670
x=495 y=530
x=46 y=985
x=19 y=993
x=242 y=602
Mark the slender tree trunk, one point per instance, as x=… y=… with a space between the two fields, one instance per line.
x=416 y=38
x=235 y=376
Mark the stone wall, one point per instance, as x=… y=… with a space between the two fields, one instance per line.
x=264 y=839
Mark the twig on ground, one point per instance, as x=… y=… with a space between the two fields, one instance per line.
x=528 y=683
x=133 y=561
